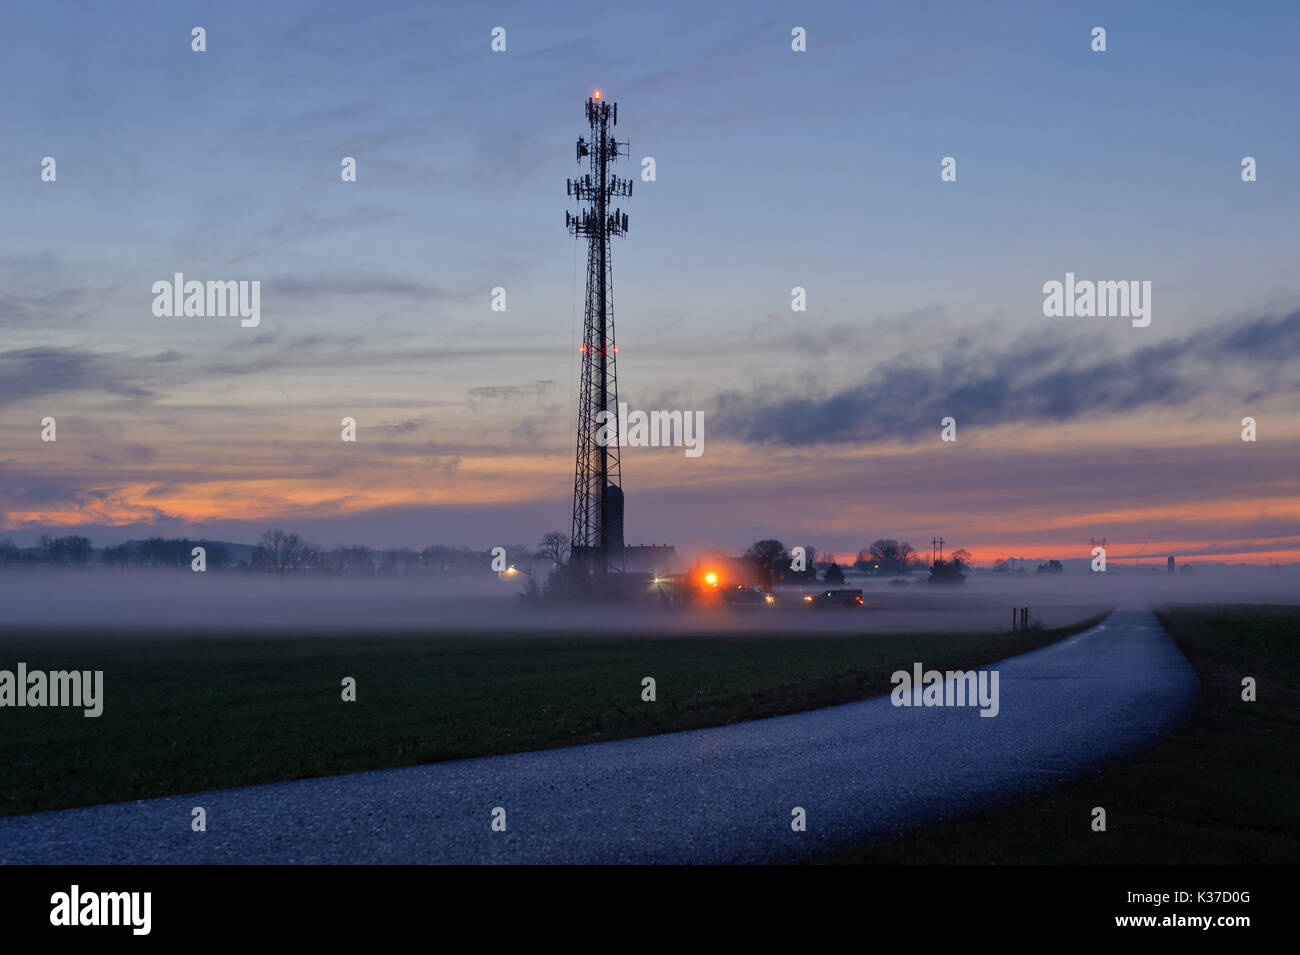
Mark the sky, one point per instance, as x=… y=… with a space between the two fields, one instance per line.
x=774 y=169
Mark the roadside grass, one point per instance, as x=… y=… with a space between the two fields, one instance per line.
x=1220 y=791
x=184 y=714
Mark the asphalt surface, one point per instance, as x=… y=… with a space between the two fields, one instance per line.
x=861 y=771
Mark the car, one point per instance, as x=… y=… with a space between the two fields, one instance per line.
x=835 y=598
x=745 y=596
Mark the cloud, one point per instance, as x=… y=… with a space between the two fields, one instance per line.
x=512 y=392
x=67 y=303
x=27 y=373
x=124 y=454
x=1031 y=381
x=317 y=287
x=401 y=427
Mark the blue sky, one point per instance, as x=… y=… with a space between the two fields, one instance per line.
x=775 y=169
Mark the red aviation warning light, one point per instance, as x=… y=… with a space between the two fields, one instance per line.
x=596 y=95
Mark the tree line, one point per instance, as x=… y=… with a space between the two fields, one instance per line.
x=276 y=551
x=885 y=557
x=282 y=552
x=72 y=550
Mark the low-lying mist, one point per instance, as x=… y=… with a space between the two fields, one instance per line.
x=122 y=602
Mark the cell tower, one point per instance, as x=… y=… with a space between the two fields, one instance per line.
x=597 y=538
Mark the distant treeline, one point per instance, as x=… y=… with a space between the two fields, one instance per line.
x=277 y=551
x=773 y=562
x=165 y=552
x=70 y=551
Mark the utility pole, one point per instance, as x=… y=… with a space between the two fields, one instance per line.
x=597 y=536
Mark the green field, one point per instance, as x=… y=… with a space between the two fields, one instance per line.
x=198 y=713
x=1222 y=790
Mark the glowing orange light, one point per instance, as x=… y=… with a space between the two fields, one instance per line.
x=597 y=96
x=711 y=579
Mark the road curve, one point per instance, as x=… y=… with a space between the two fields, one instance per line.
x=861 y=771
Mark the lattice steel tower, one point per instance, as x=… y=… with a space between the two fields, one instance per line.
x=597 y=538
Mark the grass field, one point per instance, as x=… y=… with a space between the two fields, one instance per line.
x=183 y=715
x=1220 y=791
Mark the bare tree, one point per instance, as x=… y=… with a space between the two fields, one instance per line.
x=889 y=556
x=277 y=550
x=555 y=547
x=78 y=550
x=74 y=550
x=398 y=560
x=767 y=556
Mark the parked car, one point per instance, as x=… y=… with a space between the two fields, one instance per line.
x=835 y=598
x=746 y=596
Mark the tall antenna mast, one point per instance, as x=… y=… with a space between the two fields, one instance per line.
x=597 y=538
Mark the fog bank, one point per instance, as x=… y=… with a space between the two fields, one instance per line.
x=122 y=602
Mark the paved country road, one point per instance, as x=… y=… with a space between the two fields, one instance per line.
x=860 y=771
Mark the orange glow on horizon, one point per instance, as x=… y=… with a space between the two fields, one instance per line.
x=225 y=472
x=1198 y=552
